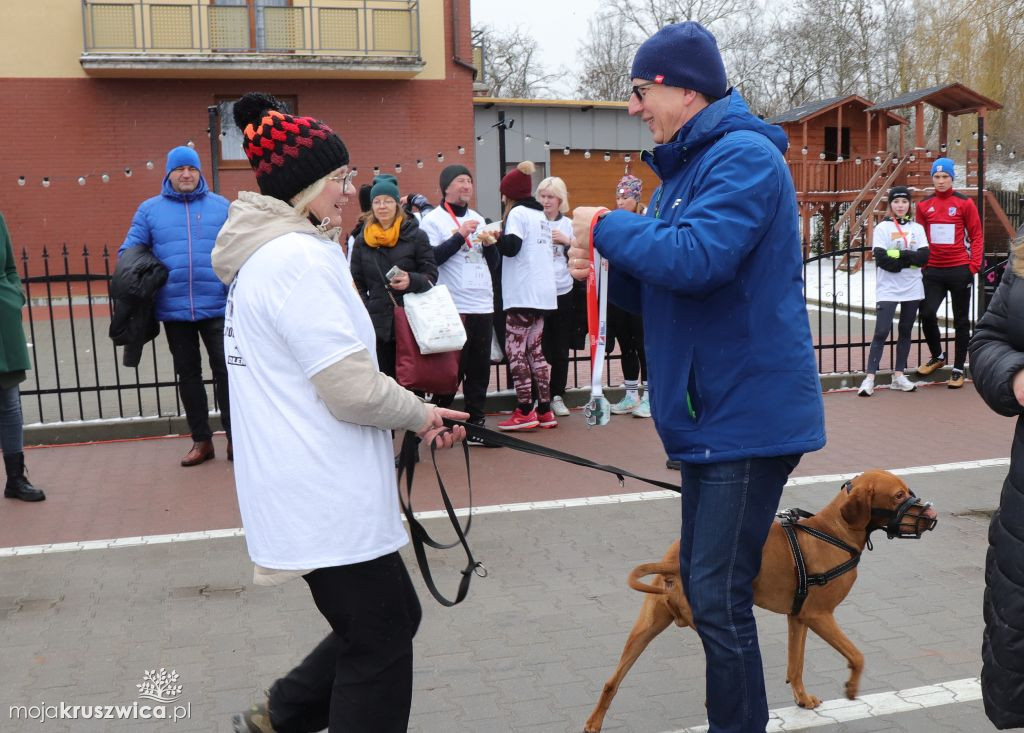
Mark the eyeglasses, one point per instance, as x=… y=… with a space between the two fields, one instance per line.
x=641 y=94
x=343 y=179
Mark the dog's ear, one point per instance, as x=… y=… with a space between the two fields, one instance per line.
x=856 y=510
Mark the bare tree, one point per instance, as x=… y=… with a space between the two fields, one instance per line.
x=605 y=57
x=511 y=65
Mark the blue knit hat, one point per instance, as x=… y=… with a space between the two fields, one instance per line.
x=182 y=155
x=944 y=165
x=682 y=55
x=384 y=185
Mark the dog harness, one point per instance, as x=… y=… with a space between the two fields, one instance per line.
x=789 y=519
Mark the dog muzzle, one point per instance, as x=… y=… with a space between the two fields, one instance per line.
x=908 y=521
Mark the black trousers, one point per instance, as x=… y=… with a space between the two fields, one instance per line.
x=474 y=366
x=359 y=678
x=556 y=340
x=957 y=282
x=628 y=330
x=183 y=339
x=885 y=311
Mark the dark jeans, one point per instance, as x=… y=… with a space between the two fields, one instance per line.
x=474 y=366
x=386 y=354
x=628 y=330
x=885 y=310
x=728 y=509
x=12 y=424
x=183 y=340
x=957 y=282
x=360 y=677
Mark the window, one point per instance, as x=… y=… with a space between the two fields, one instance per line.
x=231 y=153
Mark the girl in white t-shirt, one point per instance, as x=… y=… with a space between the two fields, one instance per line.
x=900 y=248
x=528 y=291
x=559 y=324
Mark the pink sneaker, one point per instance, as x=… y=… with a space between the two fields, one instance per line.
x=519 y=421
x=546 y=420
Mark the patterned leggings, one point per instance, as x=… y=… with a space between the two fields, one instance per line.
x=523 y=330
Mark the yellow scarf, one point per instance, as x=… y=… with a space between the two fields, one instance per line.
x=377 y=236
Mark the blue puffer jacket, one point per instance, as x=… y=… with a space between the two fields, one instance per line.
x=182 y=228
x=715 y=269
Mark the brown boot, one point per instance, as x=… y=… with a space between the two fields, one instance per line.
x=202 y=451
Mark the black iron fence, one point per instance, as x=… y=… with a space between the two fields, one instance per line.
x=78 y=375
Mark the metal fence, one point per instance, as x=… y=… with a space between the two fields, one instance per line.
x=77 y=372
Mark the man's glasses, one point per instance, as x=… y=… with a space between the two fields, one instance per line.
x=638 y=90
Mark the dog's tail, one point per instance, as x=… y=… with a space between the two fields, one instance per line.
x=652 y=568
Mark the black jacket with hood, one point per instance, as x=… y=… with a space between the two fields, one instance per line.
x=411 y=253
x=133 y=289
x=997 y=355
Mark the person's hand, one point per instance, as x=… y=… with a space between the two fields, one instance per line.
x=468 y=227
x=560 y=237
x=1018 y=386
x=435 y=433
x=579 y=252
x=400 y=282
x=579 y=261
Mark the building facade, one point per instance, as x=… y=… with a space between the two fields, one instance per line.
x=98 y=92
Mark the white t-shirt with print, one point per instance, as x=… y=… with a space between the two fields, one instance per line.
x=528 y=279
x=905 y=284
x=560 y=255
x=313 y=491
x=466 y=272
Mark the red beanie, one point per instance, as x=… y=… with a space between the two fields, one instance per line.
x=518 y=182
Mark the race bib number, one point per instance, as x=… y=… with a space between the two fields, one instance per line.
x=942 y=234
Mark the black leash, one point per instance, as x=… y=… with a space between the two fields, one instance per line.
x=789 y=519
x=421 y=539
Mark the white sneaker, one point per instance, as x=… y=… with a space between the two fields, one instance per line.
x=867 y=387
x=558 y=407
x=644 y=408
x=626 y=405
x=902 y=384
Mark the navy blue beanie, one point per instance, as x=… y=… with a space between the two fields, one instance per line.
x=944 y=165
x=683 y=55
x=180 y=156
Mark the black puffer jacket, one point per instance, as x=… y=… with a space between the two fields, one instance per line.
x=411 y=253
x=133 y=288
x=997 y=355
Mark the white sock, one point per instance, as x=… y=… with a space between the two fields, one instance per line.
x=632 y=386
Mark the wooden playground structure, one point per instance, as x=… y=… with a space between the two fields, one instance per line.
x=840 y=159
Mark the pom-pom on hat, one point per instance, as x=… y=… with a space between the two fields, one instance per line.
x=900 y=192
x=944 y=165
x=181 y=156
x=450 y=173
x=629 y=186
x=384 y=185
x=518 y=182
x=287 y=153
x=682 y=55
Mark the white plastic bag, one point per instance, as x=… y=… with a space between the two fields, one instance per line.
x=434 y=320
x=497 y=353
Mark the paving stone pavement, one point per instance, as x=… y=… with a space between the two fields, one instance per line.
x=527 y=652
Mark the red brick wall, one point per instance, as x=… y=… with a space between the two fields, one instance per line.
x=71 y=127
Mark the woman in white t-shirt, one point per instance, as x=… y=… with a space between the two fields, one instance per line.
x=528 y=292
x=559 y=324
x=900 y=248
x=314 y=469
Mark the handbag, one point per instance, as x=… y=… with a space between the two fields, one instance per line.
x=497 y=353
x=435 y=320
x=434 y=373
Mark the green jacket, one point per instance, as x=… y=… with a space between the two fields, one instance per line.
x=13 y=349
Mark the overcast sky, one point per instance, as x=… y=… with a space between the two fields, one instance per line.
x=558 y=25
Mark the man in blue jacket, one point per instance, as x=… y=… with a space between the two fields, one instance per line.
x=715 y=270
x=180 y=226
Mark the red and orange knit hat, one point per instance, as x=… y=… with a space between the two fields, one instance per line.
x=287 y=153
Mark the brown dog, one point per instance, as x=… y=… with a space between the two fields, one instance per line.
x=873 y=500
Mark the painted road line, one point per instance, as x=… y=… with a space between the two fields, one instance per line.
x=841 y=710
x=529 y=506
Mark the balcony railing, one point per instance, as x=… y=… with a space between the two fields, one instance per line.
x=364 y=28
